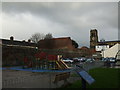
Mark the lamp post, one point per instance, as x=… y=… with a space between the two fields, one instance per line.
x=103 y=53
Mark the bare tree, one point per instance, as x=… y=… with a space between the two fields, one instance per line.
x=37 y=37
x=75 y=44
x=48 y=36
x=49 y=43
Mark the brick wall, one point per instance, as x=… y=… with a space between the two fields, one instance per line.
x=56 y=43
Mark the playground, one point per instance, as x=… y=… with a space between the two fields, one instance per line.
x=40 y=71
x=44 y=61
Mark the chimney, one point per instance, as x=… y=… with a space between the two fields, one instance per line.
x=23 y=41
x=11 y=38
x=29 y=40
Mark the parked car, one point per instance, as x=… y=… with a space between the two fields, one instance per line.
x=79 y=59
x=105 y=59
x=109 y=59
x=112 y=60
x=68 y=60
x=82 y=59
x=90 y=60
x=76 y=59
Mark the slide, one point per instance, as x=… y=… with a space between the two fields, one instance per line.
x=64 y=64
x=58 y=65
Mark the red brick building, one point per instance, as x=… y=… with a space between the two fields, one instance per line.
x=56 y=43
x=85 y=51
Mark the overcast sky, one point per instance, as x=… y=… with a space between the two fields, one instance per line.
x=65 y=19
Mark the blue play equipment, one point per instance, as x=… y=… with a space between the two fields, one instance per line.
x=2 y=68
x=37 y=70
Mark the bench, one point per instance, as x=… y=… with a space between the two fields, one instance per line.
x=62 y=76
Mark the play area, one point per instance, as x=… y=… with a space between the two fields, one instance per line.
x=40 y=70
x=44 y=61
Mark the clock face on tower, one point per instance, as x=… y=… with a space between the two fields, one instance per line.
x=93 y=38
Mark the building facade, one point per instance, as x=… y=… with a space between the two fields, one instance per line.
x=101 y=47
x=94 y=40
x=105 y=48
x=14 y=51
x=56 y=43
x=112 y=52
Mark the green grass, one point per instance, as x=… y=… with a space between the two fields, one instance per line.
x=104 y=78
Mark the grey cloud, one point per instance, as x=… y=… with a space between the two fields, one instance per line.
x=75 y=19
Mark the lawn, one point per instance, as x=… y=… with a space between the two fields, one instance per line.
x=104 y=78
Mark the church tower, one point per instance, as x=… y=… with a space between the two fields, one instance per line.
x=93 y=38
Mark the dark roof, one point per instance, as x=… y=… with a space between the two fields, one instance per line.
x=60 y=38
x=102 y=43
x=14 y=42
x=84 y=47
x=110 y=41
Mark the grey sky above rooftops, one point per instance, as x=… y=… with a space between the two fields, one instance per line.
x=62 y=19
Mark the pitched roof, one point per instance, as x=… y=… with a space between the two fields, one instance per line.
x=84 y=47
